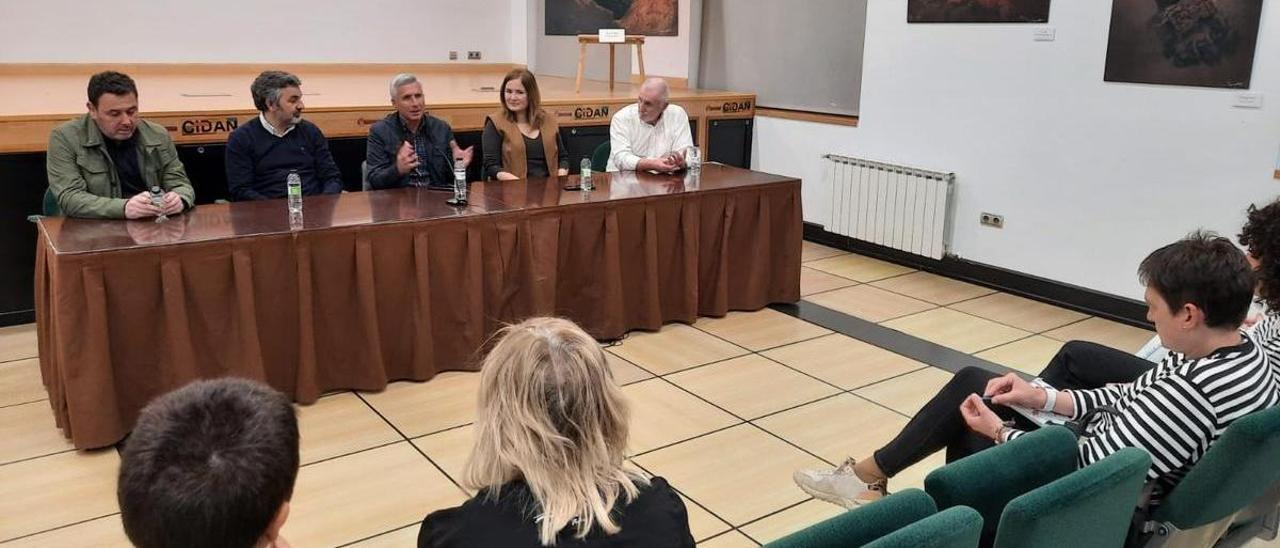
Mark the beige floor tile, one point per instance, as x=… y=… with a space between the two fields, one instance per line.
x=400 y=538
x=625 y=372
x=933 y=288
x=956 y=330
x=105 y=532
x=662 y=414
x=28 y=430
x=812 y=252
x=764 y=328
x=761 y=466
x=449 y=449
x=18 y=342
x=844 y=361
x=1014 y=311
x=732 y=539
x=858 y=268
x=1261 y=543
x=837 y=428
x=1104 y=332
x=869 y=303
x=908 y=393
x=338 y=425
x=702 y=524
x=913 y=476
x=357 y=496
x=418 y=408
x=1028 y=355
x=752 y=386
x=791 y=520
x=816 y=281
x=674 y=348
x=20 y=382
x=48 y=492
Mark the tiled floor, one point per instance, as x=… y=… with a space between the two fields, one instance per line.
x=725 y=409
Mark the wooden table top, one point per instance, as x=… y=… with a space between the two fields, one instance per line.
x=270 y=217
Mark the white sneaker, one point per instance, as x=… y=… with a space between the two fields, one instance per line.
x=840 y=486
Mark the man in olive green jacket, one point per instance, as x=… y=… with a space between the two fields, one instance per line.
x=105 y=163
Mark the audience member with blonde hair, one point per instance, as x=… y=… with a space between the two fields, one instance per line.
x=521 y=140
x=548 y=461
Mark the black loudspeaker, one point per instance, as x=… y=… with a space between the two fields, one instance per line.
x=729 y=142
x=21 y=195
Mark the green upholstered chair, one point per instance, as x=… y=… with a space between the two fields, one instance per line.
x=864 y=524
x=988 y=480
x=1092 y=506
x=1237 y=470
x=600 y=157
x=48 y=206
x=955 y=527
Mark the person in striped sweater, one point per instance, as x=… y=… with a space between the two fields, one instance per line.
x=1086 y=365
x=1198 y=292
x=1261 y=236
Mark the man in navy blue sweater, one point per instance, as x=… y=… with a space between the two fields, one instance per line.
x=262 y=152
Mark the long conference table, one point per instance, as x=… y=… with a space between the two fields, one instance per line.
x=390 y=285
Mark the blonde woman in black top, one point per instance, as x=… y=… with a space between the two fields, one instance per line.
x=548 y=460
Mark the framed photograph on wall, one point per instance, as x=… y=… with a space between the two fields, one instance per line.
x=977 y=11
x=646 y=17
x=1207 y=43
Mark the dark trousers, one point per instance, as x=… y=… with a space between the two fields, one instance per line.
x=1081 y=365
x=939 y=425
x=1078 y=365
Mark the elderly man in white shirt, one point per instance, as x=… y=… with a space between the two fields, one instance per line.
x=651 y=135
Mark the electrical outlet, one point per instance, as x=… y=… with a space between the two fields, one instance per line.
x=473 y=56
x=453 y=55
x=991 y=220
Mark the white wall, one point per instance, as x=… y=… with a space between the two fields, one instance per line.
x=246 y=31
x=1090 y=176
x=558 y=55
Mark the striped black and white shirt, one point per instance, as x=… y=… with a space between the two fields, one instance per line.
x=1266 y=334
x=1177 y=409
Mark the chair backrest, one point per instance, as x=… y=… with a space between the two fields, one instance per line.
x=1238 y=468
x=600 y=157
x=864 y=524
x=955 y=527
x=988 y=480
x=49 y=207
x=1092 y=506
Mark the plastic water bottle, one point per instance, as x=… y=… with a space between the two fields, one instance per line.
x=293 y=183
x=584 y=175
x=693 y=158
x=459 y=181
x=157 y=199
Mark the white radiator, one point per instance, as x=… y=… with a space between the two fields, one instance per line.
x=895 y=206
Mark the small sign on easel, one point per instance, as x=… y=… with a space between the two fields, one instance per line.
x=613 y=36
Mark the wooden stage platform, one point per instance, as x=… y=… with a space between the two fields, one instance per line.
x=197 y=103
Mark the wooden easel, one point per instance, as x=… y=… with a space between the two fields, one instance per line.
x=584 y=39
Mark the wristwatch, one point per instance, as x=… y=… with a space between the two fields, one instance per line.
x=1002 y=435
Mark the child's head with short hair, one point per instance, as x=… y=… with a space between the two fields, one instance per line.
x=210 y=464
